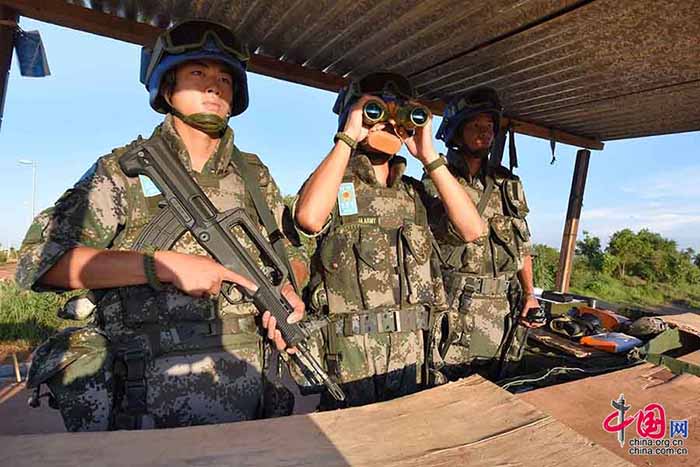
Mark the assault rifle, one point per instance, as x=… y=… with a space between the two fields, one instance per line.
x=190 y=208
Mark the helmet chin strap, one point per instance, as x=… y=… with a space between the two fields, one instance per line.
x=207 y=122
x=468 y=152
x=378 y=157
x=210 y=123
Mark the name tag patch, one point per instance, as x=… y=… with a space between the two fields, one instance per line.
x=148 y=187
x=347 y=201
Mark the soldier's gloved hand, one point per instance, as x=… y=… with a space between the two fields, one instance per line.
x=354 y=126
x=198 y=276
x=420 y=144
x=529 y=302
x=270 y=323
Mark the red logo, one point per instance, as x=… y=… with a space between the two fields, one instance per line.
x=651 y=420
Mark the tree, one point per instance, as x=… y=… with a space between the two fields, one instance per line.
x=545 y=261
x=590 y=248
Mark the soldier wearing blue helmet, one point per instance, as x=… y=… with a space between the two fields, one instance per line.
x=480 y=332
x=164 y=350
x=375 y=276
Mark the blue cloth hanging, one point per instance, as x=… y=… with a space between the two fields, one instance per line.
x=31 y=54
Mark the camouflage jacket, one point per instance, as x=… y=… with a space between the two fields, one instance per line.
x=106 y=209
x=376 y=251
x=499 y=253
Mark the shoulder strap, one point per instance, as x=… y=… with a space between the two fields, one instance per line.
x=275 y=235
x=487 y=193
x=419 y=211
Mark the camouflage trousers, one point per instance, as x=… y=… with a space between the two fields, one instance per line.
x=377 y=367
x=477 y=337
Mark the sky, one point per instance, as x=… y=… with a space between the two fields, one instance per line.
x=94 y=102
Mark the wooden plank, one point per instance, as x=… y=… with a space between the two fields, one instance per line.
x=470 y=422
x=538 y=131
x=688 y=322
x=584 y=404
x=92 y=21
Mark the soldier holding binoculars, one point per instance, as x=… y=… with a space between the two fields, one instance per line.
x=375 y=274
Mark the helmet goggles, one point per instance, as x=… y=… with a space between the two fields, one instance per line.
x=381 y=84
x=194 y=35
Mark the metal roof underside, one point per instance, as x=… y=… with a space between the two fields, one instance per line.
x=600 y=69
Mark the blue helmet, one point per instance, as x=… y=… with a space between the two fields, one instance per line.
x=462 y=108
x=195 y=40
x=382 y=84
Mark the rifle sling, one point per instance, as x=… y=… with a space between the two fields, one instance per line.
x=275 y=235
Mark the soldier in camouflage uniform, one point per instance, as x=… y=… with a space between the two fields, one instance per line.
x=374 y=274
x=165 y=349
x=479 y=274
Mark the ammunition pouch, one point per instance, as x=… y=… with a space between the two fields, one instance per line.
x=76 y=365
x=514 y=196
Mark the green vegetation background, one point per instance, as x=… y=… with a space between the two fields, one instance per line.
x=642 y=270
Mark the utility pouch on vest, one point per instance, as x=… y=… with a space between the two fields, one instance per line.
x=338 y=257
x=418 y=269
x=76 y=365
x=514 y=196
x=374 y=268
x=522 y=233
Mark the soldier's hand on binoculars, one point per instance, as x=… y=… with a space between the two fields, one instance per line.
x=354 y=127
x=420 y=144
x=198 y=276
x=270 y=323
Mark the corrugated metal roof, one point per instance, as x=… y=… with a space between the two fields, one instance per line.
x=603 y=69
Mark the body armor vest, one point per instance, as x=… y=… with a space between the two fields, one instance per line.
x=487 y=265
x=381 y=256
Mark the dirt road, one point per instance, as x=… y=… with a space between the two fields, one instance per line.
x=7 y=271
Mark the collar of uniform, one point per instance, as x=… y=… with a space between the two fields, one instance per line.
x=459 y=163
x=362 y=167
x=218 y=162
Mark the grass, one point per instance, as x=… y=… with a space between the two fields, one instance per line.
x=635 y=293
x=28 y=318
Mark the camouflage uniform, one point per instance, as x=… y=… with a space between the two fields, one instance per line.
x=375 y=276
x=479 y=274
x=189 y=360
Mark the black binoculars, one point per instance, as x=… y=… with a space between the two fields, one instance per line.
x=409 y=116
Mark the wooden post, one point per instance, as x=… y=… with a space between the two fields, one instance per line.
x=8 y=16
x=18 y=375
x=573 y=214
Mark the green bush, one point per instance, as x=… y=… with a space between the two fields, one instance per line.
x=28 y=316
x=545 y=261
